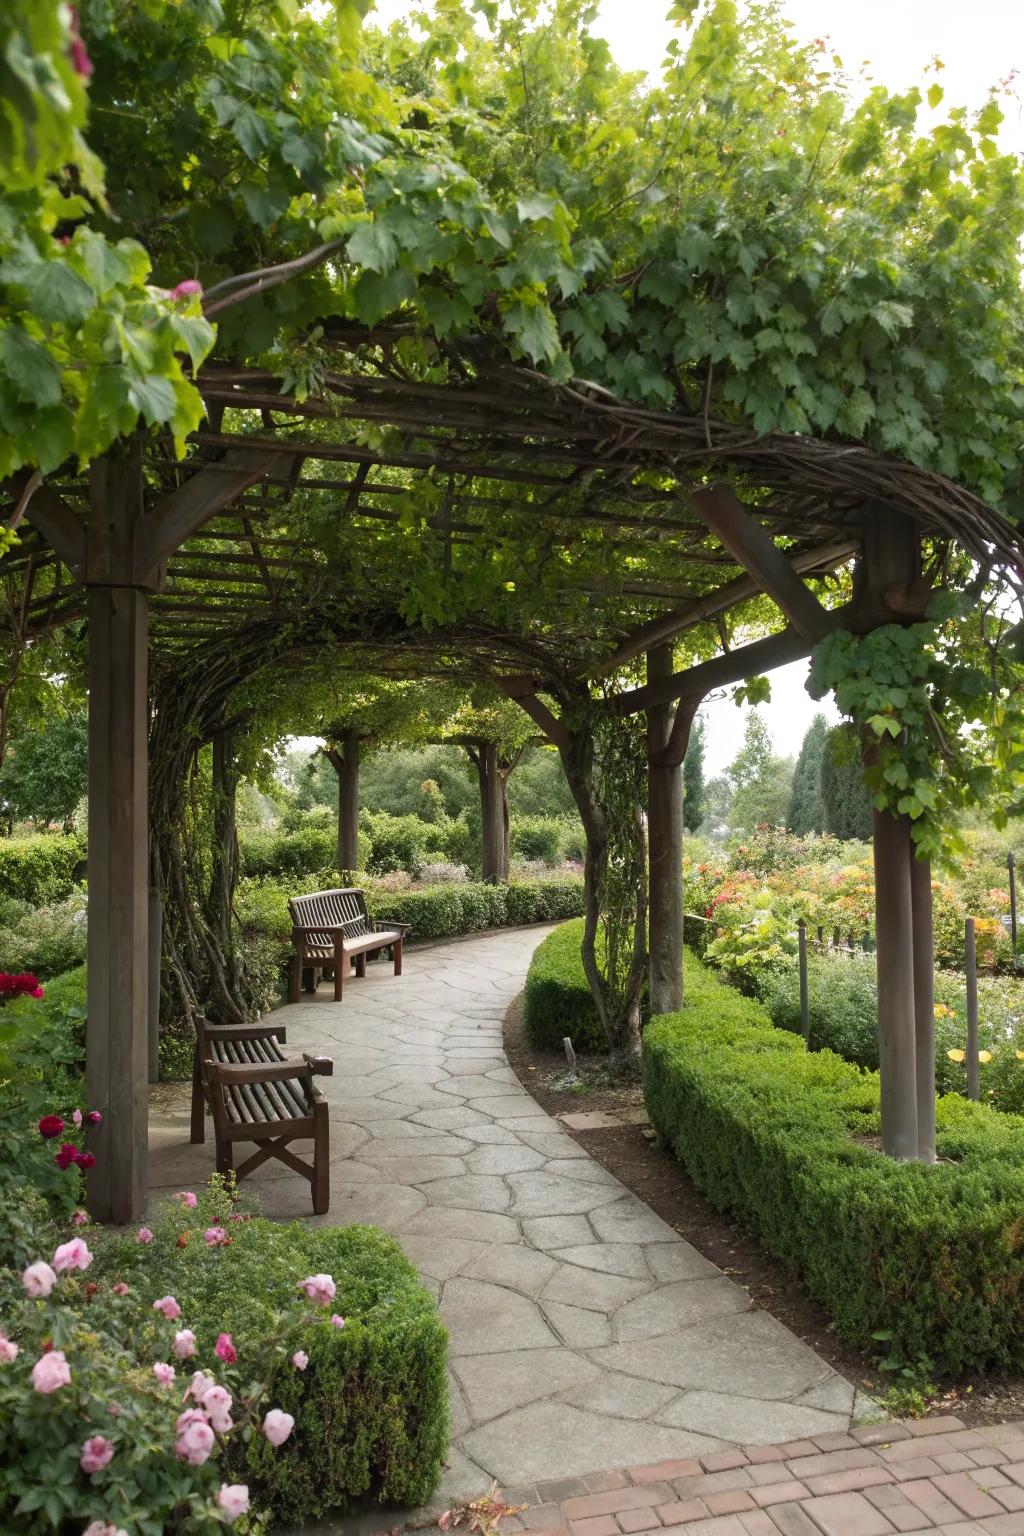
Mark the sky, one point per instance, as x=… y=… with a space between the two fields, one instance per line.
x=979 y=44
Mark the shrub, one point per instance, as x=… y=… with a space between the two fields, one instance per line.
x=95 y=1426
x=442 y=874
x=933 y=1256
x=52 y=939
x=557 y=999
x=40 y=869
x=303 y=852
x=537 y=837
x=370 y=1410
x=397 y=842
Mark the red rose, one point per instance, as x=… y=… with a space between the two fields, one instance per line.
x=94 y=1117
x=85 y=1159
x=67 y=1155
x=51 y=1126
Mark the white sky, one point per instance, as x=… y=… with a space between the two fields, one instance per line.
x=979 y=45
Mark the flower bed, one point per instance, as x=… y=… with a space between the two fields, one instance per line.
x=779 y=1136
x=189 y=1373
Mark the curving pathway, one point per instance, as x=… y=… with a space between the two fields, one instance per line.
x=584 y=1332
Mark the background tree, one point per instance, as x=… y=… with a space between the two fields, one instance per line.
x=845 y=799
x=43 y=777
x=694 y=791
x=761 y=780
x=806 y=808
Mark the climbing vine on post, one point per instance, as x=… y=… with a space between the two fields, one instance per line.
x=622 y=885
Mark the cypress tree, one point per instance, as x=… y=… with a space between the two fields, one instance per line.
x=694 y=788
x=806 y=810
x=844 y=794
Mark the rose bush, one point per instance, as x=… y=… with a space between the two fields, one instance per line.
x=105 y=1427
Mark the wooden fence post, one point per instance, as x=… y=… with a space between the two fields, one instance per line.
x=971 y=968
x=1011 y=865
x=805 y=1009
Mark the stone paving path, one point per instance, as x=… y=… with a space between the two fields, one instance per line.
x=584 y=1332
x=927 y=1475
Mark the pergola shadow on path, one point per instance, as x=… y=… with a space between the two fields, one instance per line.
x=287 y=526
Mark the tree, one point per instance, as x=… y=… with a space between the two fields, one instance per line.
x=845 y=801
x=694 y=791
x=43 y=777
x=806 y=808
x=761 y=780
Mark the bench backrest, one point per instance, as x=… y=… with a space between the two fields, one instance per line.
x=334 y=909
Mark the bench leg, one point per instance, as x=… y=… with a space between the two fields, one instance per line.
x=321 y=1160
x=295 y=982
x=311 y=984
x=398 y=958
x=361 y=963
x=198 y=1128
x=225 y=1156
x=339 y=969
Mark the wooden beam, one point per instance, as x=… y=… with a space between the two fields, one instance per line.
x=752 y=548
x=525 y=696
x=732 y=667
x=824 y=557
x=51 y=516
x=184 y=511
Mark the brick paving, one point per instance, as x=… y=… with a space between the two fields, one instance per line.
x=927 y=1475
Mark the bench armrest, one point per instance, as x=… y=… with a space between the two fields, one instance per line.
x=383 y=927
x=273 y=1072
x=323 y=1066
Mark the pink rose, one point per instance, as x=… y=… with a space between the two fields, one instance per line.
x=277 y=1426
x=225 y=1349
x=39 y=1279
x=72 y=1255
x=94 y=1117
x=120 y=1289
x=216 y=1404
x=201 y=1383
x=195 y=1440
x=233 y=1499
x=103 y=1528
x=336 y=1321
x=187 y=1198
x=168 y=1306
x=80 y=1219
x=184 y=1343
x=50 y=1372
x=319 y=1288
x=8 y=1351
x=164 y=1373
x=97 y=1453
x=300 y=1359
x=215 y=1237
x=76 y=1117
x=186 y=289
x=144 y=1235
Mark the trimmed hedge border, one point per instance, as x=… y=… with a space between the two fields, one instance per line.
x=932 y=1256
x=371 y=1409
x=556 y=997
x=40 y=869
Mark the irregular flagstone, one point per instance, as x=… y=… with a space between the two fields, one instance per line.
x=494 y=1384
x=749 y=1420
x=530 y=1443
x=489 y=1319
x=583 y=1331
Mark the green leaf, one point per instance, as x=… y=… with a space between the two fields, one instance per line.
x=251 y=132
x=29 y=368
x=533 y=327
x=373 y=246
x=537 y=205
x=264 y=205
x=935 y=94
x=195 y=334
x=153 y=397
x=59 y=295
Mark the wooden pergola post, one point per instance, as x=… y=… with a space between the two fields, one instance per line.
x=897 y=1048
x=492 y=813
x=924 y=1003
x=117 y=1032
x=665 y=847
x=344 y=759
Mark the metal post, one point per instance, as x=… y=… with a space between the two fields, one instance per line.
x=971 y=968
x=805 y=1008
x=1011 y=865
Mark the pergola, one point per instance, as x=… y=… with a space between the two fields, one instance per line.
x=172 y=562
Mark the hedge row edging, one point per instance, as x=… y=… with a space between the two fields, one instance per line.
x=932 y=1256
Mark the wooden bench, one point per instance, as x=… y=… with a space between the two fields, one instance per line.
x=256 y=1093
x=330 y=926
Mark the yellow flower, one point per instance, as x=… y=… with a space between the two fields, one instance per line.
x=942 y=1011
x=984 y=1055
x=1019 y=1055
x=956 y=1055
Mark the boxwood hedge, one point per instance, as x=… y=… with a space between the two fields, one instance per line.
x=783 y=1138
x=371 y=1409
x=556 y=998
